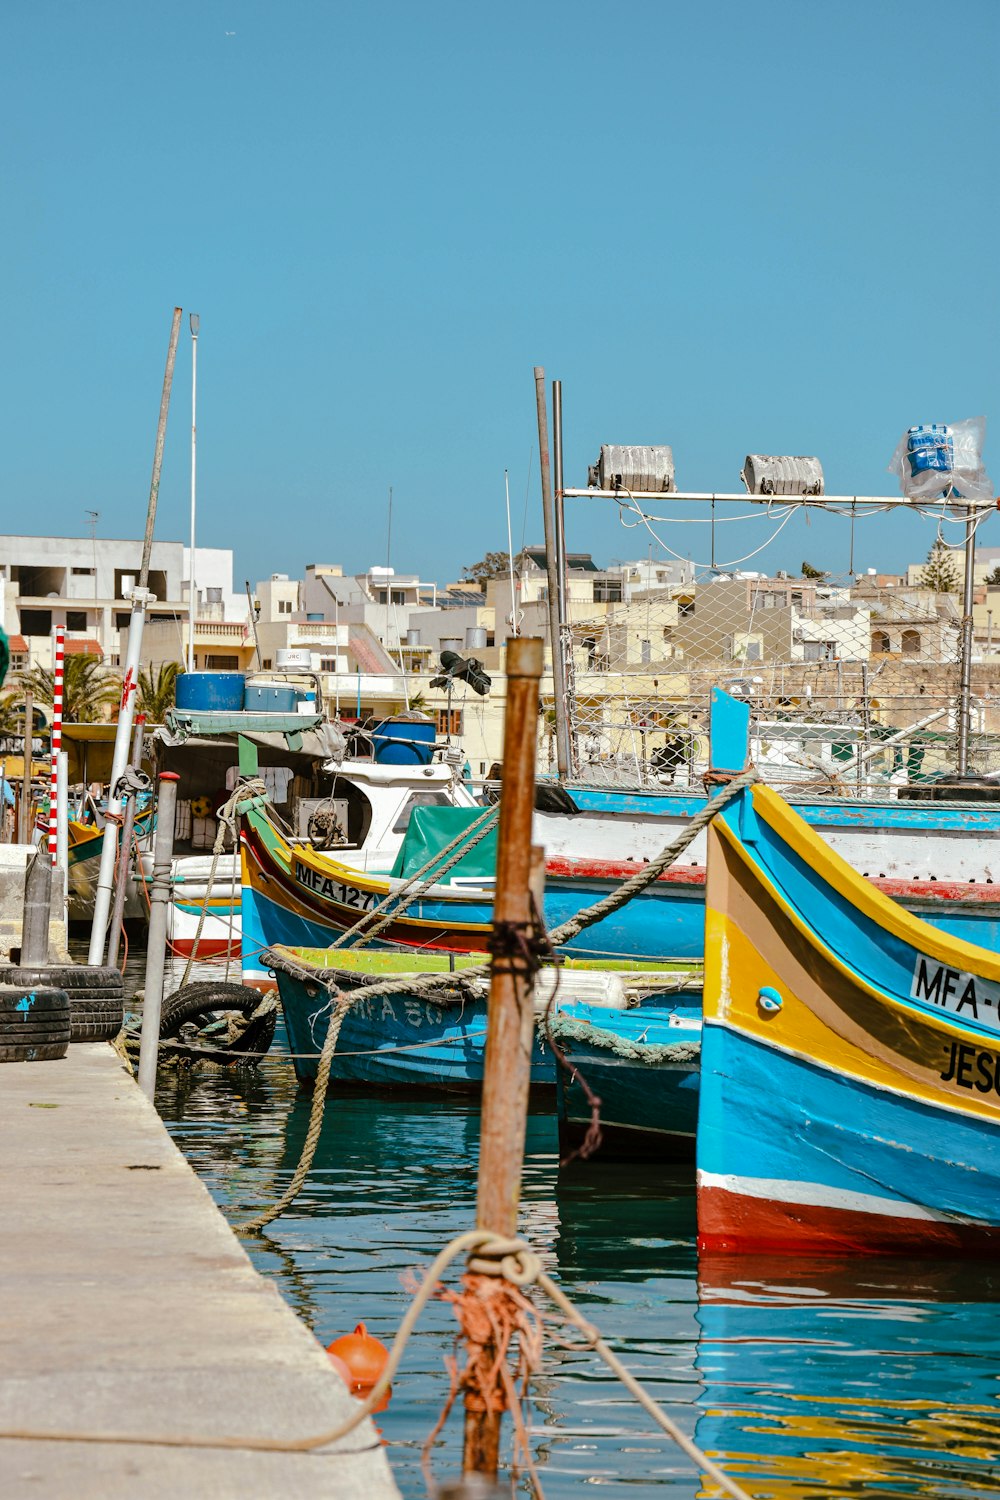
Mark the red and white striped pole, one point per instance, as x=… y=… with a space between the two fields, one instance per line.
x=57 y=718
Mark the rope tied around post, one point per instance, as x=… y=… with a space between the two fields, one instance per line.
x=519 y=943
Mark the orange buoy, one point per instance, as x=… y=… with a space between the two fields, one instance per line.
x=340 y=1367
x=364 y=1356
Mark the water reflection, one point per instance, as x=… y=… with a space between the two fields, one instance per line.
x=805 y=1379
x=829 y=1378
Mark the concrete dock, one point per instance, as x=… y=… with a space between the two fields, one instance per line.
x=128 y=1308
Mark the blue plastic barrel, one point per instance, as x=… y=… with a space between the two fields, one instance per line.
x=269 y=698
x=210 y=692
x=404 y=742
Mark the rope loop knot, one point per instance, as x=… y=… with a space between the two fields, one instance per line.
x=512 y=1259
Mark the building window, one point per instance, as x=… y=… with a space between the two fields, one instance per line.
x=398 y=596
x=76 y=619
x=284 y=606
x=222 y=663
x=450 y=723
x=685 y=608
x=82 y=572
x=880 y=643
x=36 y=622
x=328 y=664
x=820 y=651
x=910 y=642
x=607 y=591
x=267 y=664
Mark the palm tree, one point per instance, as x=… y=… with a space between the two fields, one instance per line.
x=88 y=689
x=12 y=714
x=156 y=693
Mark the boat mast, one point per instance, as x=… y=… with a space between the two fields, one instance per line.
x=123 y=733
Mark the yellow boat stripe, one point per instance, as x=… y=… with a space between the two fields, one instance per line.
x=956 y=952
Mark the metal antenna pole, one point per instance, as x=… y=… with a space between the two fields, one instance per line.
x=565 y=645
x=552 y=570
x=195 y=323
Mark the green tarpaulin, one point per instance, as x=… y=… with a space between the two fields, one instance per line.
x=431 y=828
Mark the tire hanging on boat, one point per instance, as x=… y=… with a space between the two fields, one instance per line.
x=203 y=1004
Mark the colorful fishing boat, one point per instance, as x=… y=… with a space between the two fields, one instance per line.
x=434 y=1041
x=362 y=806
x=850 y=1088
x=84 y=842
x=301 y=897
x=643 y=1065
x=940 y=862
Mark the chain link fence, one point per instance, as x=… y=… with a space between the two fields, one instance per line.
x=853 y=680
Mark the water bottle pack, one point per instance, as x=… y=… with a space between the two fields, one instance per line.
x=930 y=448
x=942 y=461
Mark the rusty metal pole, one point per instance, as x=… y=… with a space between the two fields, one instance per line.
x=552 y=571
x=510 y=1027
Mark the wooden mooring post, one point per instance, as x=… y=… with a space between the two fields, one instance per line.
x=511 y=1016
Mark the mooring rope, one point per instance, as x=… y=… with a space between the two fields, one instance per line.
x=462 y=844
x=656 y=867
x=423 y=984
x=254 y=1225
x=488 y=1254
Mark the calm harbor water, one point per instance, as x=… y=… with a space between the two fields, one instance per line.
x=811 y=1380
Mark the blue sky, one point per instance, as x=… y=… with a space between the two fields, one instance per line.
x=726 y=226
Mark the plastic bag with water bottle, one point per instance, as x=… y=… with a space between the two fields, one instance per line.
x=943 y=460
